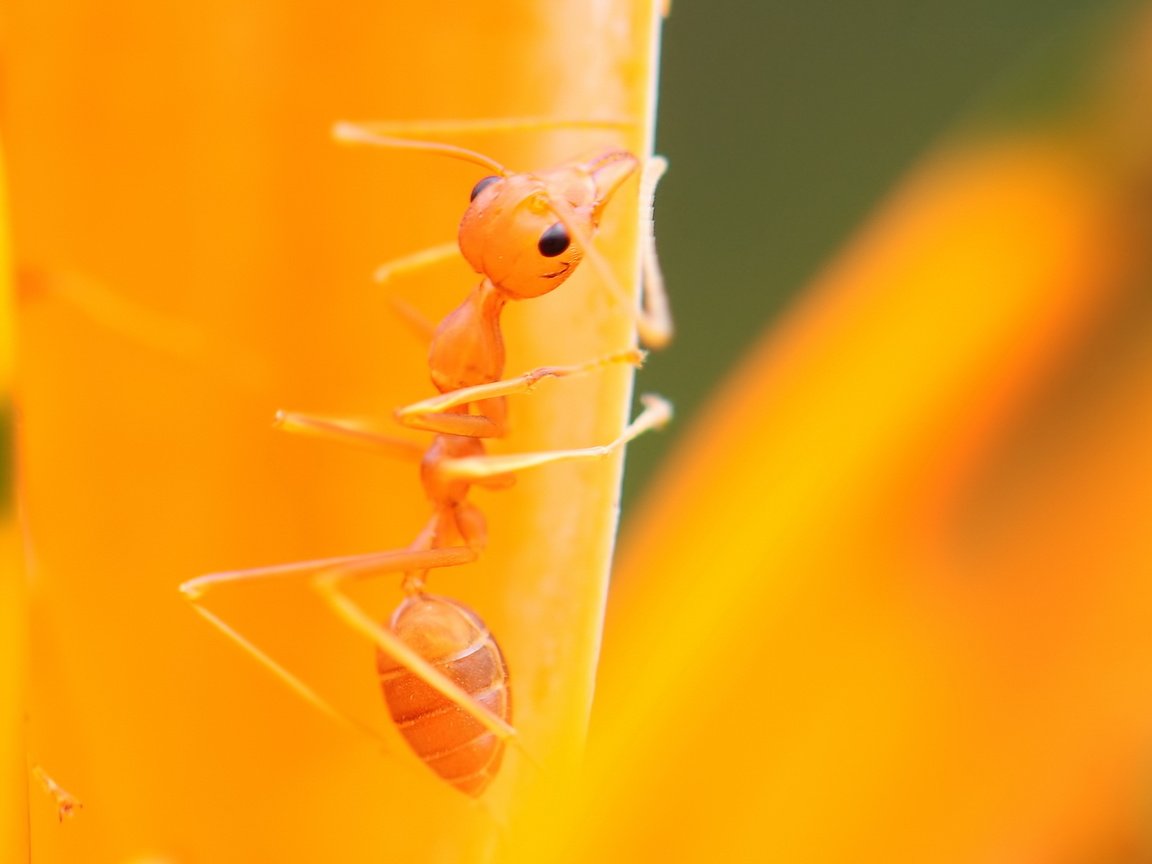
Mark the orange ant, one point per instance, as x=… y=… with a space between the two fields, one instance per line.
x=444 y=677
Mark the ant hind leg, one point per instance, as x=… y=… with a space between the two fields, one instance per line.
x=326 y=576
x=329 y=583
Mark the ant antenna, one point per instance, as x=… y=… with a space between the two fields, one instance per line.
x=354 y=133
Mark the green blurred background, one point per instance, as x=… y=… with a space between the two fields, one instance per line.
x=786 y=123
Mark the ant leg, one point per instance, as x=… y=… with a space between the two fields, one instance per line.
x=653 y=318
x=328 y=585
x=292 y=681
x=357 y=433
x=657 y=413
x=390 y=561
x=430 y=414
x=386 y=272
x=389 y=270
x=325 y=576
x=654 y=323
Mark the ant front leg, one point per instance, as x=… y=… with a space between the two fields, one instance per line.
x=653 y=317
x=654 y=320
x=435 y=414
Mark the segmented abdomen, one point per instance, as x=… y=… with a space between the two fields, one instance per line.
x=450 y=741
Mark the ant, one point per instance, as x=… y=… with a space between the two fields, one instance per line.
x=443 y=675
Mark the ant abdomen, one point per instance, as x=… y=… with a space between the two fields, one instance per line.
x=446 y=737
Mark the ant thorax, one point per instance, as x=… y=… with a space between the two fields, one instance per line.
x=468 y=346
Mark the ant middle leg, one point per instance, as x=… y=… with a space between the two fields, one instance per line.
x=417 y=321
x=436 y=413
x=657 y=413
x=347 y=430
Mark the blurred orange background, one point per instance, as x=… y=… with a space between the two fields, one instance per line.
x=887 y=599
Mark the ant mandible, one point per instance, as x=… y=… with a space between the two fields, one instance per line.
x=443 y=675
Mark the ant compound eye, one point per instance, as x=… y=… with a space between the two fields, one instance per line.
x=481 y=186
x=555 y=241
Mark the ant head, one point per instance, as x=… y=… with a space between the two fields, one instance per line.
x=527 y=233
